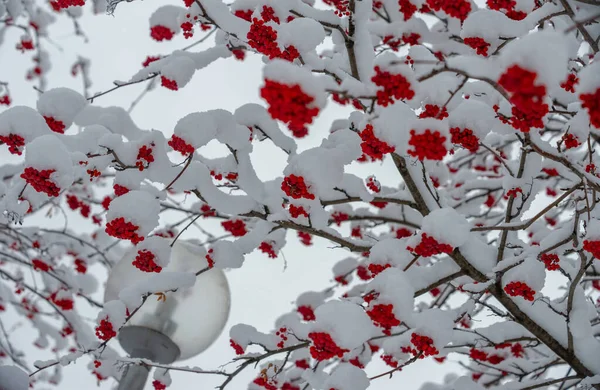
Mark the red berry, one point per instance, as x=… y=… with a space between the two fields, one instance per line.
x=105 y=331
x=145 y=261
x=161 y=33
x=289 y=104
x=428 y=145
x=40 y=180
x=394 y=86
x=14 y=142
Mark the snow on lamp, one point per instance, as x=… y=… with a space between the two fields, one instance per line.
x=181 y=326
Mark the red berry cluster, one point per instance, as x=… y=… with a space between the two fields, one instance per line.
x=305 y=238
x=40 y=180
x=477 y=354
x=188 y=29
x=55 y=125
x=63 y=303
x=427 y=145
x=246 y=15
x=158 y=385
x=341 y=279
x=207 y=211
x=168 y=83
x=376 y=269
x=120 y=190
x=239 y=54
x=339 y=217
x=80 y=266
x=550 y=221
x=289 y=104
x=433 y=111
x=306 y=312
x=267 y=248
x=268 y=14
x=392 y=42
x=383 y=316
x=149 y=60
x=482 y=356
x=263 y=38
x=341 y=7
x=105 y=331
x=236 y=227
x=423 y=344
x=508 y=7
x=178 y=144
x=372 y=146
x=263 y=381
x=14 y=142
x=144 y=157
x=302 y=363
x=429 y=246
x=295 y=187
x=519 y=289
x=75 y=204
x=119 y=228
x=57 y=5
x=282 y=334
x=479 y=44
x=407 y=9
x=569 y=84
x=455 y=8
x=465 y=138
x=590 y=168
x=236 y=347
x=357 y=363
x=25 y=44
x=5 y=100
x=145 y=261
x=296 y=211
x=490 y=200
x=106 y=202
x=591 y=101
x=570 y=141
x=495 y=359
x=411 y=39
x=593 y=247
x=356 y=232
x=403 y=233
x=323 y=347
x=67 y=331
x=39 y=265
x=390 y=361
x=379 y=205
x=526 y=97
x=517 y=350
x=435 y=291
x=394 y=86
x=512 y=193
x=373 y=184
x=550 y=171
x=209 y=259
x=161 y=33
x=93 y=173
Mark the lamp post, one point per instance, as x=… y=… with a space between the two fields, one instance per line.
x=182 y=326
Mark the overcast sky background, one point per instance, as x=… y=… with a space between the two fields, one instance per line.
x=261 y=290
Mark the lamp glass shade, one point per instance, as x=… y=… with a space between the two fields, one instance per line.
x=193 y=317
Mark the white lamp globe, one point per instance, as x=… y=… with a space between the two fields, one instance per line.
x=190 y=318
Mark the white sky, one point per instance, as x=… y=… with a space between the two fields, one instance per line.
x=261 y=289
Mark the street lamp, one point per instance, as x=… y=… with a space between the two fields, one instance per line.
x=182 y=326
